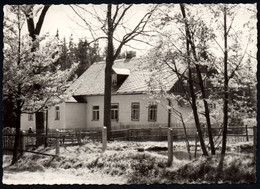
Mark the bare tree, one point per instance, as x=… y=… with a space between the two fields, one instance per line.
x=197 y=66
x=225 y=108
x=193 y=48
x=113 y=22
x=34 y=30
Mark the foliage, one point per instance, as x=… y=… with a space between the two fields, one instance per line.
x=194 y=44
x=35 y=68
x=86 y=54
x=82 y=52
x=31 y=76
x=121 y=159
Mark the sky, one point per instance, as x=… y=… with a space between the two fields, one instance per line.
x=63 y=19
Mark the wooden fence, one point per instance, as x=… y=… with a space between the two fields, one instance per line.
x=79 y=136
x=235 y=134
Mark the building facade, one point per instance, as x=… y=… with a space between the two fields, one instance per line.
x=131 y=103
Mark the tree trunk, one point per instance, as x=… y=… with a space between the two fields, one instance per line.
x=225 y=108
x=39 y=128
x=212 y=146
x=18 y=101
x=34 y=31
x=192 y=93
x=17 y=132
x=108 y=73
x=196 y=117
x=169 y=113
x=46 y=129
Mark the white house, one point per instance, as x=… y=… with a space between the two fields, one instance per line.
x=131 y=106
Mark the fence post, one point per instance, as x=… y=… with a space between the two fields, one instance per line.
x=196 y=138
x=255 y=140
x=23 y=141
x=57 y=142
x=72 y=136
x=104 y=139
x=128 y=134
x=160 y=133
x=79 y=137
x=170 y=145
x=247 y=134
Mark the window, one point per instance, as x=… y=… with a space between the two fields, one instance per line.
x=135 y=112
x=95 y=115
x=114 y=79
x=57 y=113
x=152 y=113
x=114 y=111
x=30 y=117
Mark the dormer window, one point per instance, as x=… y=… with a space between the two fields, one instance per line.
x=114 y=79
x=119 y=75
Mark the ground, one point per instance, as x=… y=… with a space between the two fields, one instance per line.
x=127 y=163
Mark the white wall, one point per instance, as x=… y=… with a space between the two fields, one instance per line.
x=79 y=115
x=72 y=115
x=184 y=110
x=56 y=124
x=75 y=115
x=25 y=124
x=124 y=102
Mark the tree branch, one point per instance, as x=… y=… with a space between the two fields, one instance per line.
x=121 y=16
x=41 y=19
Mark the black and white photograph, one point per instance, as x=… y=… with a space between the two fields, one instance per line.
x=129 y=94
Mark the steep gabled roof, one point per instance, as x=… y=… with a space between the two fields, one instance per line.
x=136 y=82
x=91 y=82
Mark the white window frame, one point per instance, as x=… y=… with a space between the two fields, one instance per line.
x=135 y=111
x=114 y=112
x=57 y=113
x=152 y=112
x=95 y=113
x=114 y=79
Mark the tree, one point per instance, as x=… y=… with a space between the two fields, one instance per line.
x=235 y=56
x=24 y=70
x=187 y=59
x=31 y=11
x=190 y=42
x=190 y=53
x=65 y=59
x=86 y=54
x=225 y=109
x=81 y=52
x=112 y=23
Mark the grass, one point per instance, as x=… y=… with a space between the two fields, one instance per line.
x=121 y=159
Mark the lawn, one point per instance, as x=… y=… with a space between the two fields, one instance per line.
x=127 y=163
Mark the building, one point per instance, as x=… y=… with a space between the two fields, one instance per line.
x=132 y=104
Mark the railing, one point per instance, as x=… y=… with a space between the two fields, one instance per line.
x=235 y=134
x=80 y=136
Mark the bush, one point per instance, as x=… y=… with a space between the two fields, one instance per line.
x=236 y=169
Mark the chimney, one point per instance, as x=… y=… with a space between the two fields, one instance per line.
x=130 y=54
